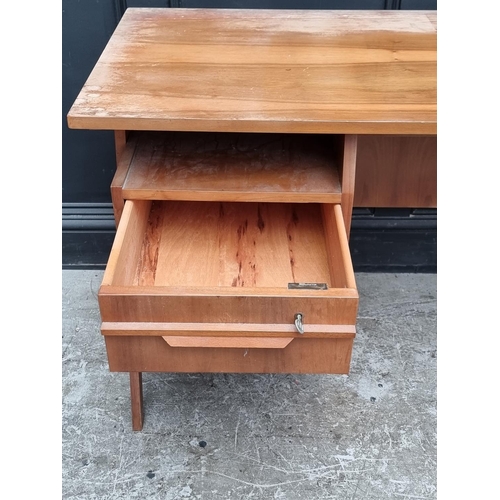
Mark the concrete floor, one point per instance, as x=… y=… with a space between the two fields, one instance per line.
x=369 y=435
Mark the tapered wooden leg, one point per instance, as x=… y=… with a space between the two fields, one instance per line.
x=136 y=400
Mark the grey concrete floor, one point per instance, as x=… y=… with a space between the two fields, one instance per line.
x=368 y=435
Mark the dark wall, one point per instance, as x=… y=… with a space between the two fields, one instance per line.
x=87 y=156
x=284 y=4
x=88 y=161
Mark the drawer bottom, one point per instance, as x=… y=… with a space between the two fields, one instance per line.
x=153 y=354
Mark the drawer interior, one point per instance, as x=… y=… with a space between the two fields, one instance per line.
x=235 y=245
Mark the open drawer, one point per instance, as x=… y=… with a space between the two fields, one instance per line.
x=229 y=287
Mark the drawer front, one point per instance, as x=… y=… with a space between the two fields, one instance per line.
x=153 y=354
x=166 y=305
x=160 y=306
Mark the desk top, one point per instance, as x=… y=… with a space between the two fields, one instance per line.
x=356 y=72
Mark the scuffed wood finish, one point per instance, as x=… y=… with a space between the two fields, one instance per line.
x=396 y=171
x=153 y=354
x=233 y=167
x=349 y=72
x=136 y=400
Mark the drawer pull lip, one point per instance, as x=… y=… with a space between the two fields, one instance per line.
x=228 y=342
x=299 y=322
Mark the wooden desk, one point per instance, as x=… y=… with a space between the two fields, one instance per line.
x=236 y=139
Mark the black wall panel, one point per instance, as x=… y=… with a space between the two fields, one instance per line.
x=147 y=3
x=418 y=4
x=87 y=156
x=284 y=4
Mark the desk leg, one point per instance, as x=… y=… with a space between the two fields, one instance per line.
x=136 y=400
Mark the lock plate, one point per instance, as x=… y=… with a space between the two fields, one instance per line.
x=307 y=286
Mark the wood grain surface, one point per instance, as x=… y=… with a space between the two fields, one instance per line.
x=396 y=171
x=127 y=246
x=227 y=342
x=124 y=155
x=226 y=305
x=238 y=245
x=288 y=330
x=208 y=262
x=136 y=399
x=153 y=354
x=348 y=169
x=353 y=72
x=233 y=167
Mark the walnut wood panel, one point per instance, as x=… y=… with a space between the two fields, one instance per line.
x=233 y=167
x=353 y=72
x=151 y=354
x=394 y=171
